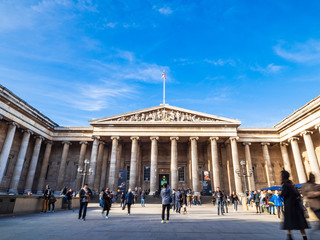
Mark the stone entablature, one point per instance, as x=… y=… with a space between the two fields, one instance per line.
x=258 y=135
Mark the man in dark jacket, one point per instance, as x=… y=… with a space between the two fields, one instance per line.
x=219 y=198
x=107 y=202
x=129 y=200
x=68 y=197
x=85 y=194
x=46 y=196
x=256 y=199
x=166 y=200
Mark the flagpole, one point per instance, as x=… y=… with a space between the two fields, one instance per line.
x=164 y=90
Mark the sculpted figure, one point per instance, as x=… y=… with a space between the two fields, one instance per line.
x=178 y=116
x=159 y=115
x=143 y=117
x=172 y=116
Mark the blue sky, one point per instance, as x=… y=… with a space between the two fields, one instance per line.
x=256 y=61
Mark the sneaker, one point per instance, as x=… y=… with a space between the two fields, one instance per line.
x=162 y=221
x=167 y=221
x=83 y=219
x=49 y=211
x=107 y=217
x=128 y=214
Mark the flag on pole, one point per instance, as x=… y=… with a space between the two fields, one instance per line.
x=163 y=75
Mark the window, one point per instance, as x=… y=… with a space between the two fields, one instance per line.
x=146 y=174
x=128 y=173
x=181 y=174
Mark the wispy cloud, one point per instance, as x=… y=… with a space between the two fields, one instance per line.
x=271 y=68
x=165 y=10
x=221 y=62
x=308 y=52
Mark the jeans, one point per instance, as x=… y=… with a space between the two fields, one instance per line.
x=83 y=207
x=258 y=207
x=51 y=204
x=69 y=201
x=107 y=214
x=271 y=208
x=219 y=204
x=129 y=206
x=279 y=210
x=143 y=202
x=164 y=207
x=235 y=205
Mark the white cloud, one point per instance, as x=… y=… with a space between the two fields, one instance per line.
x=271 y=68
x=308 y=52
x=221 y=62
x=165 y=10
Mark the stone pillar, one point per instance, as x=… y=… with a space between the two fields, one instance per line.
x=298 y=160
x=63 y=165
x=174 y=163
x=252 y=184
x=285 y=157
x=267 y=159
x=215 y=162
x=153 y=165
x=19 y=164
x=311 y=154
x=133 y=163
x=93 y=161
x=236 y=165
x=97 y=177
x=6 y=148
x=113 y=164
x=104 y=167
x=195 y=165
x=33 y=164
x=44 y=168
x=83 y=150
x=119 y=152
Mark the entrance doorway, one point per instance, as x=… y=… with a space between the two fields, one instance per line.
x=163 y=178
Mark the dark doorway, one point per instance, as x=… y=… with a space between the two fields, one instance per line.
x=163 y=178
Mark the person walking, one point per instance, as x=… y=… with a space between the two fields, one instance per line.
x=47 y=193
x=143 y=199
x=166 y=200
x=122 y=200
x=219 y=198
x=129 y=200
x=276 y=201
x=85 y=194
x=294 y=214
x=235 y=201
x=107 y=202
x=225 y=203
x=311 y=191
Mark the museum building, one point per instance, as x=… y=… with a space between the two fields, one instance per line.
x=152 y=145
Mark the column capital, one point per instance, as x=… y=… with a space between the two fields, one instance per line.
x=83 y=142
x=174 y=138
x=66 y=142
x=27 y=130
x=246 y=143
x=49 y=142
x=317 y=127
x=40 y=137
x=265 y=144
x=283 y=144
x=114 y=137
x=234 y=138
x=153 y=138
x=95 y=137
x=293 y=139
x=213 y=138
x=13 y=123
x=194 y=138
x=101 y=142
x=134 y=138
x=306 y=132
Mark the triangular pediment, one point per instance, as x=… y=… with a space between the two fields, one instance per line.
x=164 y=114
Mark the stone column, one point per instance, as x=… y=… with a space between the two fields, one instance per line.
x=33 y=164
x=93 y=161
x=195 y=165
x=19 y=164
x=285 y=157
x=98 y=168
x=83 y=150
x=236 y=165
x=113 y=164
x=104 y=167
x=252 y=184
x=6 y=148
x=133 y=163
x=298 y=160
x=119 y=152
x=63 y=165
x=174 y=163
x=215 y=162
x=311 y=154
x=153 y=165
x=267 y=159
x=44 y=168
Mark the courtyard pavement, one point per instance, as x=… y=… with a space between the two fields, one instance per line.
x=201 y=222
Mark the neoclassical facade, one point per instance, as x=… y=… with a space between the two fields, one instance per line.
x=151 y=144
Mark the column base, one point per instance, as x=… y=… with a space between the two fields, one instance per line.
x=27 y=192
x=13 y=191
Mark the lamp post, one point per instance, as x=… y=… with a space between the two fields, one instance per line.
x=84 y=172
x=244 y=174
